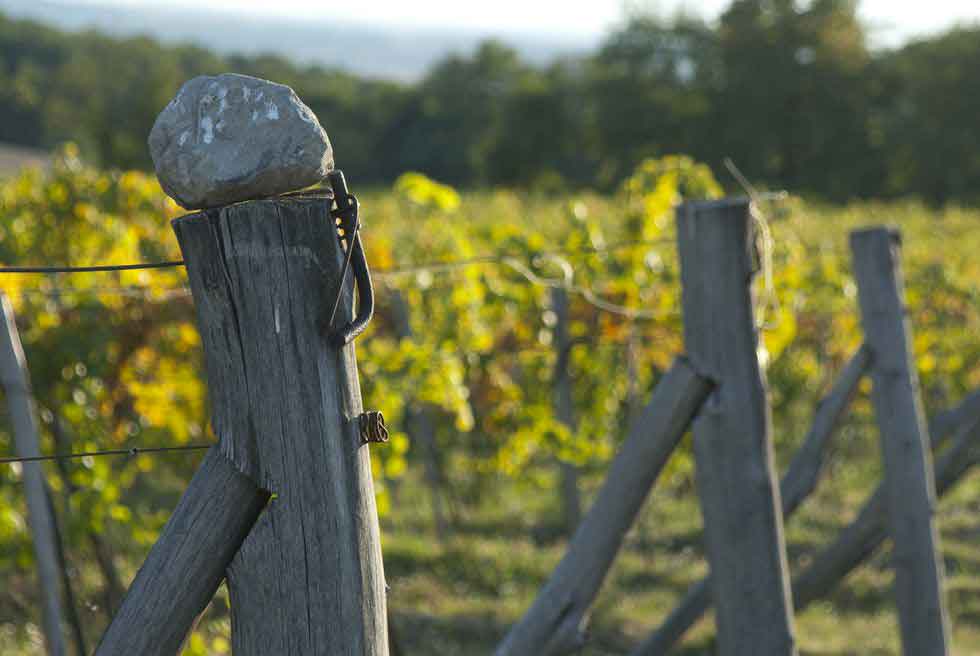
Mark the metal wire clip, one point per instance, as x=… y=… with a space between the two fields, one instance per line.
x=371 y=426
x=345 y=216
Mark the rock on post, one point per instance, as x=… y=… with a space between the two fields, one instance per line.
x=231 y=138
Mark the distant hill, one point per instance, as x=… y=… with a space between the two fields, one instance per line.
x=14 y=158
x=361 y=49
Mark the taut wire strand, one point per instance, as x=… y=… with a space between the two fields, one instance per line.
x=132 y=451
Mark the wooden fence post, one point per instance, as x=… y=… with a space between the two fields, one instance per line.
x=286 y=405
x=739 y=495
x=564 y=404
x=16 y=384
x=908 y=478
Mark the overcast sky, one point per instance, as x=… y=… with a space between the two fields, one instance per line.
x=891 y=20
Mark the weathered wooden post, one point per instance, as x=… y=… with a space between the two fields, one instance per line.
x=732 y=443
x=285 y=398
x=308 y=579
x=909 y=487
x=16 y=384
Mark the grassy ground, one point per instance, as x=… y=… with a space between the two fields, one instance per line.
x=461 y=595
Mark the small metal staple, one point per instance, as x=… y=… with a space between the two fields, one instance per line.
x=371 y=425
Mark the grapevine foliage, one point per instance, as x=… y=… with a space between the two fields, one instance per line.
x=115 y=357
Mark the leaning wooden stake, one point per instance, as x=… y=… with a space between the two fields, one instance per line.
x=555 y=622
x=286 y=405
x=862 y=537
x=16 y=384
x=799 y=481
x=187 y=564
x=942 y=424
x=732 y=442
x=859 y=539
x=908 y=477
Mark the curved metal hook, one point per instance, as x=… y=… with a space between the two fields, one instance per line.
x=365 y=298
x=347 y=213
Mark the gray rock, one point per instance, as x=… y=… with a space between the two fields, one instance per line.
x=233 y=137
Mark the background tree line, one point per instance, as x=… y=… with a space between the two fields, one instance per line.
x=790 y=90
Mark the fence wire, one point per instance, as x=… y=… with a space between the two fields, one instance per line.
x=433 y=266
x=514 y=261
x=132 y=451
